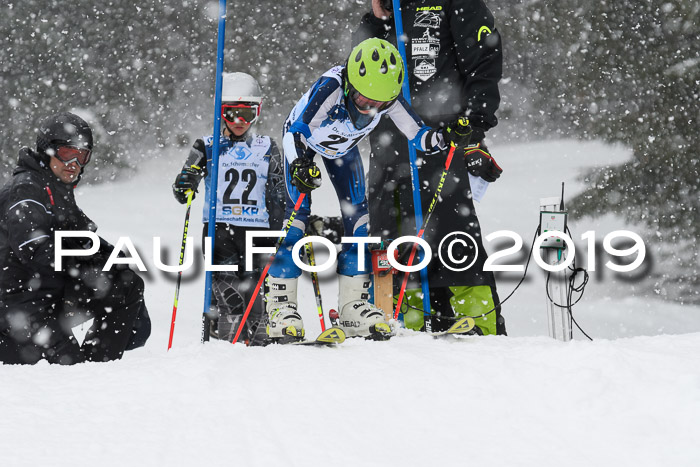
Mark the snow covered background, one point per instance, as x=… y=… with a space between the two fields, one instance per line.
x=630 y=397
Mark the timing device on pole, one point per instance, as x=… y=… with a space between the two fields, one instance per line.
x=553 y=217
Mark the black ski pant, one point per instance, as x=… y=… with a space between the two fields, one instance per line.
x=87 y=324
x=233 y=290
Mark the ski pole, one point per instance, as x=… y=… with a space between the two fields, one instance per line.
x=317 y=286
x=179 y=273
x=297 y=206
x=431 y=208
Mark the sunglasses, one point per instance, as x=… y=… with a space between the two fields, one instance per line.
x=69 y=154
x=237 y=113
x=363 y=103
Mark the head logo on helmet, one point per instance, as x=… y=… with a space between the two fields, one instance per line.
x=375 y=70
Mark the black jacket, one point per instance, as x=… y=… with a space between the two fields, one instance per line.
x=454 y=66
x=454 y=58
x=33 y=205
x=40 y=307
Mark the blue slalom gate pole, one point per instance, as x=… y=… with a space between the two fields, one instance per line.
x=213 y=165
x=415 y=183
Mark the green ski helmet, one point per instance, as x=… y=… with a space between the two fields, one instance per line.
x=375 y=69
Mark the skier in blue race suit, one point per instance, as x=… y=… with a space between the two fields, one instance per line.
x=339 y=110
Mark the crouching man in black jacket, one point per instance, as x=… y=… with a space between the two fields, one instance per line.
x=78 y=313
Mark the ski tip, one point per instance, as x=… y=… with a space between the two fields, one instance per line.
x=332 y=336
x=462 y=326
x=328 y=338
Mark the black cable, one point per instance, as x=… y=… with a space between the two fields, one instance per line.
x=571 y=288
x=455 y=318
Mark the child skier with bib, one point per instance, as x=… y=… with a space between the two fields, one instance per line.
x=250 y=196
x=341 y=108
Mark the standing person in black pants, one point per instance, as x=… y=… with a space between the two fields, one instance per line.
x=454 y=58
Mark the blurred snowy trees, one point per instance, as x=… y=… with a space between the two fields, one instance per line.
x=128 y=68
x=627 y=72
x=142 y=73
x=624 y=72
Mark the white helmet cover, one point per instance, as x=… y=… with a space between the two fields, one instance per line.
x=240 y=87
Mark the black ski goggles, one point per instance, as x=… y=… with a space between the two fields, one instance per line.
x=240 y=113
x=69 y=154
x=364 y=103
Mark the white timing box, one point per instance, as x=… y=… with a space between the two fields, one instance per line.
x=553 y=220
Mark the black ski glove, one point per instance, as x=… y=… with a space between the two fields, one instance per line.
x=305 y=174
x=480 y=163
x=458 y=133
x=185 y=181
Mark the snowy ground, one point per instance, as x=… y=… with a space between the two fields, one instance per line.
x=631 y=397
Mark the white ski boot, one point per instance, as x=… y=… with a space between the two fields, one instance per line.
x=358 y=317
x=281 y=307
